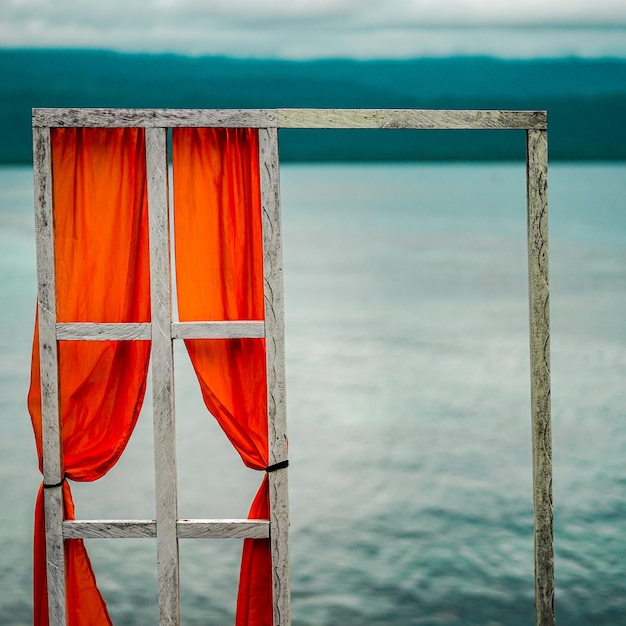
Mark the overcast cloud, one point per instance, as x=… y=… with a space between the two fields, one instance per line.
x=322 y=28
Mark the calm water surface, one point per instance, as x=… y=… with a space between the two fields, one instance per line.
x=407 y=373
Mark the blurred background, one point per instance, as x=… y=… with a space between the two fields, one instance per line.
x=405 y=295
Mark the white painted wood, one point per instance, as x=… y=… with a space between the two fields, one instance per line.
x=537 y=188
x=52 y=464
x=186 y=529
x=55 y=555
x=223 y=529
x=163 y=379
x=275 y=346
x=51 y=426
x=92 y=331
x=409 y=118
x=154 y=118
x=218 y=330
x=290 y=118
x=109 y=529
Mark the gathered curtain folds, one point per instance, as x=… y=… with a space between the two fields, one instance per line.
x=102 y=274
x=219 y=277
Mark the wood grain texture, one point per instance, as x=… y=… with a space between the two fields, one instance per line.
x=186 y=529
x=290 y=118
x=51 y=427
x=91 y=331
x=275 y=344
x=537 y=188
x=223 y=529
x=55 y=555
x=42 y=168
x=163 y=379
x=154 y=118
x=218 y=330
x=409 y=118
x=109 y=529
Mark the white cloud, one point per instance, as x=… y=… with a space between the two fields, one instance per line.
x=318 y=28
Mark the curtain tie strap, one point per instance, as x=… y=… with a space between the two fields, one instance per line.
x=47 y=486
x=277 y=466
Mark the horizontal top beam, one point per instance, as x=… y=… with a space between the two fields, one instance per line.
x=291 y=118
x=154 y=118
x=423 y=119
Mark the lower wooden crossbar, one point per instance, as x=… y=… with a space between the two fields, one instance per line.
x=185 y=529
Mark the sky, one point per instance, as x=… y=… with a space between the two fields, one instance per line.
x=303 y=29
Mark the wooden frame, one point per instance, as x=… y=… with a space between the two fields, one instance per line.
x=167 y=528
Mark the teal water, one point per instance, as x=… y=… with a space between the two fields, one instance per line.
x=408 y=408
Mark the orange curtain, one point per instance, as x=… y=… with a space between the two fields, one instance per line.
x=102 y=275
x=219 y=276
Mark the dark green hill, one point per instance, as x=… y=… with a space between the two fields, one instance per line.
x=574 y=92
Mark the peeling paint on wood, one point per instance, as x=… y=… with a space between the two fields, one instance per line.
x=537 y=187
x=51 y=426
x=153 y=118
x=163 y=379
x=410 y=118
x=92 y=331
x=109 y=529
x=291 y=118
x=218 y=330
x=275 y=345
x=223 y=529
x=186 y=529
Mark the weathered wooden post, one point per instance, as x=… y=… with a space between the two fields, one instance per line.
x=539 y=308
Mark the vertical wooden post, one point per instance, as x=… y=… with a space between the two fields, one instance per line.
x=275 y=342
x=537 y=188
x=163 y=378
x=51 y=420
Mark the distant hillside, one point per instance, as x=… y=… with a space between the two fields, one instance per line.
x=585 y=99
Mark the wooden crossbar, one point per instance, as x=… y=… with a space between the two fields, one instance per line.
x=218 y=330
x=185 y=529
x=90 y=331
x=417 y=119
x=162 y=330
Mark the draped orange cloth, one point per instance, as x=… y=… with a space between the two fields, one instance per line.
x=219 y=276
x=102 y=275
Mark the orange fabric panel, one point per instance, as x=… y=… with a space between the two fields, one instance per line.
x=219 y=276
x=102 y=275
x=219 y=241
x=100 y=223
x=254 y=601
x=85 y=605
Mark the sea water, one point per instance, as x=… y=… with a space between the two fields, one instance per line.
x=408 y=408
